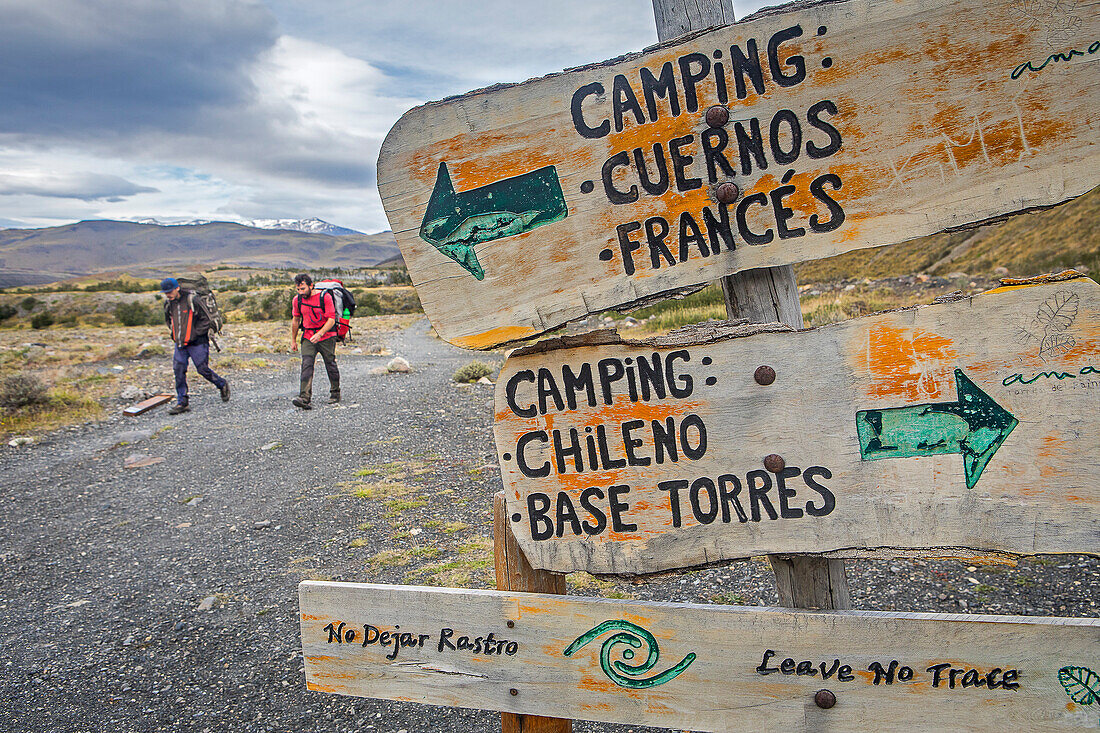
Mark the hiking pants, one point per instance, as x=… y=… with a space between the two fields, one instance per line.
x=200 y=354
x=327 y=350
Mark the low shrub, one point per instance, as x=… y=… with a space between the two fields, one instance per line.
x=42 y=320
x=7 y=311
x=137 y=314
x=473 y=371
x=28 y=303
x=367 y=304
x=271 y=306
x=22 y=390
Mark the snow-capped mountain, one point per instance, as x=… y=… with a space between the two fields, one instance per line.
x=312 y=225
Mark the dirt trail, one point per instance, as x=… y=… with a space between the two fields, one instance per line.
x=107 y=572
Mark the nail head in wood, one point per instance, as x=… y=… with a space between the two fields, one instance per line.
x=774 y=463
x=727 y=193
x=717 y=116
x=764 y=375
x=511 y=624
x=824 y=699
x=513 y=692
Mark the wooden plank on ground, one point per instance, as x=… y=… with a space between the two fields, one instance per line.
x=698 y=667
x=145 y=405
x=959 y=428
x=852 y=124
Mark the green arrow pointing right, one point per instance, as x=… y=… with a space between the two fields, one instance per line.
x=974 y=426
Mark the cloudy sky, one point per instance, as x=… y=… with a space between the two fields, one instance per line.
x=243 y=109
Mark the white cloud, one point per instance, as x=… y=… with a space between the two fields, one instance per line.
x=242 y=109
x=80 y=185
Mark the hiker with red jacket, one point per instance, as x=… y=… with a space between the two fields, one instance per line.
x=190 y=326
x=314 y=311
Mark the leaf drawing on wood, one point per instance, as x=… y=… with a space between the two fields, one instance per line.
x=1023 y=335
x=1057 y=312
x=1081 y=683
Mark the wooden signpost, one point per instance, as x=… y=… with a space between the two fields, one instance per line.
x=961 y=429
x=958 y=428
x=841 y=125
x=700 y=667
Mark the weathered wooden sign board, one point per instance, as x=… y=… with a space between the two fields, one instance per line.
x=698 y=667
x=851 y=124
x=145 y=405
x=968 y=426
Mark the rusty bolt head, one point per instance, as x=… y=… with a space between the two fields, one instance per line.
x=764 y=375
x=824 y=699
x=727 y=192
x=511 y=624
x=718 y=116
x=513 y=692
x=774 y=463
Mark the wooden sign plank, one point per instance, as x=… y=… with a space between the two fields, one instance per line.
x=699 y=667
x=852 y=124
x=145 y=405
x=965 y=428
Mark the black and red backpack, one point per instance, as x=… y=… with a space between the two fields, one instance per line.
x=343 y=303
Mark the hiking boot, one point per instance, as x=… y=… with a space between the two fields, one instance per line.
x=299 y=402
x=224 y=389
x=178 y=408
x=333 y=399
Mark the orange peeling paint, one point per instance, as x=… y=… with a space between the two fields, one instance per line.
x=494 y=336
x=907 y=363
x=596 y=685
x=656 y=708
x=1052 y=445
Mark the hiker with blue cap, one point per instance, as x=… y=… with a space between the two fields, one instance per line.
x=190 y=325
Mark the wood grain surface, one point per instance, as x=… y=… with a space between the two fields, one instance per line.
x=697 y=667
x=958 y=429
x=852 y=124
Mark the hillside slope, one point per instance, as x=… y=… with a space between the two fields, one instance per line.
x=100 y=246
x=1064 y=236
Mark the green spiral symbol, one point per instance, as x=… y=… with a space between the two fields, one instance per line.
x=633 y=637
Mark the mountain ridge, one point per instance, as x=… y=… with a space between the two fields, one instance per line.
x=93 y=246
x=312 y=225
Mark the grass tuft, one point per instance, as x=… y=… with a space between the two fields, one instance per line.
x=473 y=371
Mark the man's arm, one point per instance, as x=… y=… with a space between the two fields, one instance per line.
x=295 y=321
x=295 y=324
x=319 y=334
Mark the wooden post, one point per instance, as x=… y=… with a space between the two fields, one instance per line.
x=765 y=295
x=515 y=573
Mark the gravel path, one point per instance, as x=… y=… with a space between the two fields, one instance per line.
x=163 y=597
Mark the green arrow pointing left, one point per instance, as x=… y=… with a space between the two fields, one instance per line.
x=975 y=426
x=455 y=222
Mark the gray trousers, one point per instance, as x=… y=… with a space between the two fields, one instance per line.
x=327 y=350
